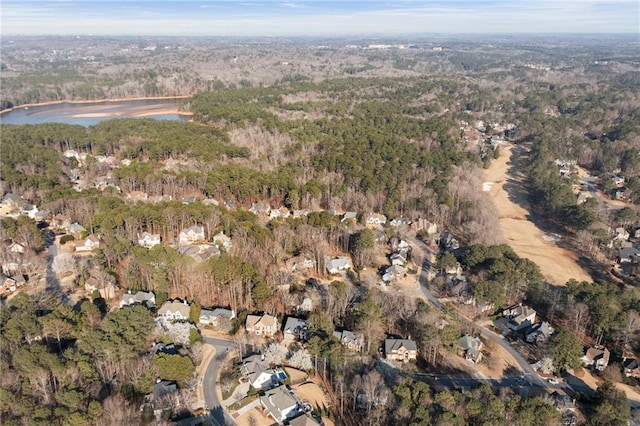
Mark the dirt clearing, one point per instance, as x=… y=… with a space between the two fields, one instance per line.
x=503 y=185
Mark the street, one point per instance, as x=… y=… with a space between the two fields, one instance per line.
x=217 y=413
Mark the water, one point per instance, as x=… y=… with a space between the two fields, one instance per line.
x=88 y=114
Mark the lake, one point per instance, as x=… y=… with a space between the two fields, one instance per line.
x=88 y=114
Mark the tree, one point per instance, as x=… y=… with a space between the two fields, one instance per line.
x=174 y=367
x=63 y=263
x=275 y=353
x=610 y=406
x=566 y=350
x=301 y=359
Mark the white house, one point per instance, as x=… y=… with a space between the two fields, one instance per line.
x=349 y=216
x=376 y=219
x=337 y=264
x=90 y=243
x=299 y=263
x=175 y=310
x=16 y=248
x=281 y=403
x=191 y=235
x=215 y=316
x=258 y=372
x=519 y=316
x=148 y=240
x=221 y=239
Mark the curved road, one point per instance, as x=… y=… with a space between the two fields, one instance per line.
x=209 y=383
x=531 y=374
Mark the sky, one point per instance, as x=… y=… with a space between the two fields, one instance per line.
x=316 y=17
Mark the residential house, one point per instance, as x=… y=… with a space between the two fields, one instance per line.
x=424 y=225
x=337 y=264
x=457 y=284
x=163 y=392
x=59 y=222
x=562 y=401
x=199 y=252
x=223 y=240
x=260 y=209
x=636 y=233
x=621 y=234
x=88 y=244
x=349 y=216
x=163 y=348
x=398 y=259
x=261 y=325
x=299 y=213
x=17 y=247
x=399 y=221
x=146 y=298
x=258 y=372
x=76 y=229
x=210 y=202
x=30 y=210
x=280 y=403
x=470 y=348
x=596 y=357
x=175 y=310
x=107 y=290
x=192 y=234
x=138 y=196
x=12 y=202
x=305 y=419
x=376 y=219
x=394 y=272
x=295 y=329
x=352 y=340
x=631 y=367
x=216 y=316
x=629 y=254
x=448 y=242
x=400 y=350
x=519 y=316
x=539 y=333
x=148 y=240
x=9 y=285
x=300 y=263
x=398 y=245
x=279 y=213
x=188 y=200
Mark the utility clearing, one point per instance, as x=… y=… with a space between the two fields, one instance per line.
x=503 y=184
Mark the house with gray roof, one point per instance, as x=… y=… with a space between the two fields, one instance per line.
x=295 y=329
x=258 y=372
x=337 y=264
x=280 y=403
x=146 y=298
x=400 y=350
x=470 y=348
x=352 y=340
x=539 y=333
x=216 y=316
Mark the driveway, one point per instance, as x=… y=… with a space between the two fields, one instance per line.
x=209 y=382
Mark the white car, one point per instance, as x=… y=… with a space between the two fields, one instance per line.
x=552 y=381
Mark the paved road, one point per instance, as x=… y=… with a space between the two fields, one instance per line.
x=218 y=414
x=533 y=376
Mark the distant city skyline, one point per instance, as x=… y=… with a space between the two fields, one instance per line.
x=316 y=18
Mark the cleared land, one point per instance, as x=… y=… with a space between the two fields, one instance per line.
x=557 y=264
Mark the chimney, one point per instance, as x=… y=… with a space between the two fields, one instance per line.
x=185 y=302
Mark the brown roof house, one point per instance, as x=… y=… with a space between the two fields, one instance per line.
x=261 y=325
x=596 y=357
x=631 y=367
x=400 y=350
x=175 y=310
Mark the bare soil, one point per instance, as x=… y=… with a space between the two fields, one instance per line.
x=557 y=264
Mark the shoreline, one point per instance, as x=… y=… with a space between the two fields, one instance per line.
x=101 y=101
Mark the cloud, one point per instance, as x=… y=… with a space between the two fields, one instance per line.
x=276 y=17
